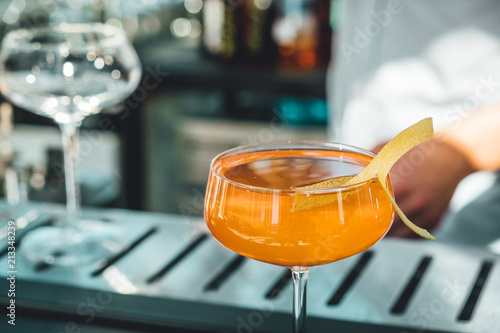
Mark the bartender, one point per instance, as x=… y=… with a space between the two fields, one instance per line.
x=397 y=62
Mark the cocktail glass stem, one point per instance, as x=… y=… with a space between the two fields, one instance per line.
x=299 y=276
x=70 y=134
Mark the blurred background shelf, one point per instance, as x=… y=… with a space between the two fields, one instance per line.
x=191 y=68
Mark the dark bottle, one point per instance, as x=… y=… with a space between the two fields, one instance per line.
x=239 y=30
x=220 y=28
x=258 y=45
x=303 y=34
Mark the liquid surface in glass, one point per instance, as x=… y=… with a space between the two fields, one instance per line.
x=250 y=207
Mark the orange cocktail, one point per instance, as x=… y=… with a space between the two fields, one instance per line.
x=252 y=207
x=250 y=200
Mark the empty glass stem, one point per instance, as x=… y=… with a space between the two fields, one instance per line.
x=70 y=145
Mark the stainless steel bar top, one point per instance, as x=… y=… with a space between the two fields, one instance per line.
x=170 y=275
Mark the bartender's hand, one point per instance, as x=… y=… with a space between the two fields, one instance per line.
x=423 y=181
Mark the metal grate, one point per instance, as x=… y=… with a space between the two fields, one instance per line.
x=171 y=273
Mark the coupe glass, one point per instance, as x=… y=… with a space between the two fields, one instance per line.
x=68 y=72
x=251 y=207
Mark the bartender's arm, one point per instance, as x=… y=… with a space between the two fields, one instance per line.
x=424 y=190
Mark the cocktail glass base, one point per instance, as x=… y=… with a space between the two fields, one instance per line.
x=90 y=241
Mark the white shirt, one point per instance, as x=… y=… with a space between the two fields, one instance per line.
x=397 y=62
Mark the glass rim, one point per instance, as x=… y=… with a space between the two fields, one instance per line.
x=22 y=38
x=292 y=145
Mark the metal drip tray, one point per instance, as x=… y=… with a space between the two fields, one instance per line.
x=171 y=276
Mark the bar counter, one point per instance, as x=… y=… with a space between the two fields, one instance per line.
x=170 y=275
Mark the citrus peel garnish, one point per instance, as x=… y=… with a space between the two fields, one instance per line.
x=303 y=201
x=379 y=167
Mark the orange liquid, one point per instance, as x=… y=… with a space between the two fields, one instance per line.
x=259 y=223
